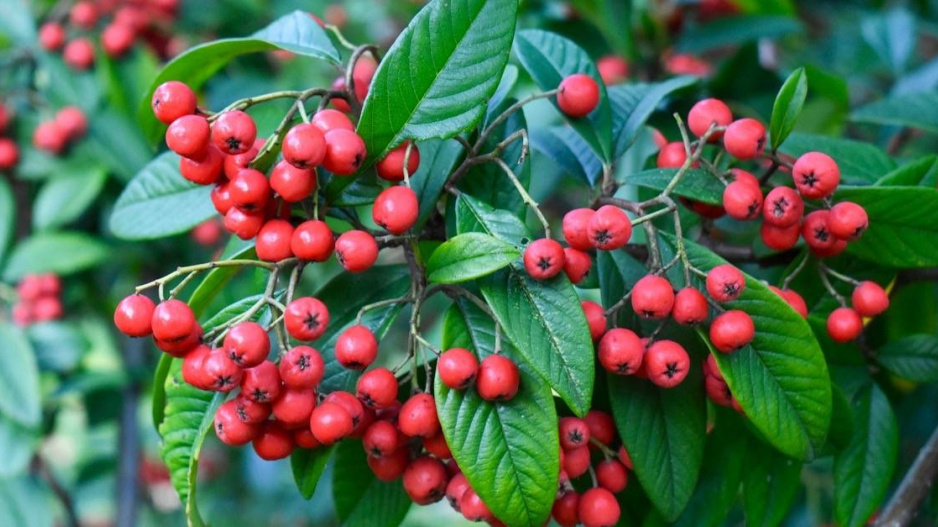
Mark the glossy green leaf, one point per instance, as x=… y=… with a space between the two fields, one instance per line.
x=920 y=172
x=469 y=256
x=617 y=272
x=508 y=450
x=787 y=108
x=158 y=407
x=736 y=30
x=307 y=466
x=473 y=215
x=550 y=58
x=841 y=420
x=43 y=253
x=862 y=472
x=664 y=431
x=64 y=198
x=7 y=217
x=159 y=202
x=697 y=184
x=436 y=78
x=770 y=485
x=19 y=378
x=361 y=500
x=569 y=150
x=914 y=358
x=859 y=162
x=437 y=160
x=633 y=104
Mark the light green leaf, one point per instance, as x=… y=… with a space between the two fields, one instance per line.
x=788 y=105
x=469 y=256
x=65 y=197
x=45 y=253
x=473 y=215
x=915 y=110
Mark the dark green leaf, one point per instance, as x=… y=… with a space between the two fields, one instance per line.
x=473 y=215
x=436 y=78
x=617 y=273
x=65 y=197
x=159 y=202
x=914 y=358
x=7 y=217
x=17 y=443
x=215 y=280
x=469 y=256
x=787 y=108
x=863 y=471
x=43 y=253
x=508 y=451
x=361 y=500
x=437 y=159
x=158 y=407
x=19 y=378
x=915 y=110
x=770 y=485
x=920 y=172
x=859 y=162
x=569 y=150
x=736 y=30
x=308 y=465
x=550 y=58
x=115 y=139
x=841 y=420
x=697 y=184
x=633 y=104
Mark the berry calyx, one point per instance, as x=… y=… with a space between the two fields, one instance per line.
x=302 y=368
x=816 y=231
x=357 y=251
x=869 y=299
x=377 y=388
x=847 y=220
x=742 y=200
x=783 y=207
x=498 y=378
x=356 y=348
x=844 y=324
x=380 y=439
x=234 y=132
x=457 y=368
x=543 y=259
x=690 y=307
x=666 y=363
x=230 y=429
x=396 y=209
x=744 y=139
x=816 y=175
x=609 y=228
x=247 y=344
x=652 y=297
x=391 y=168
x=731 y=331
x=620 y=351
x=134 y=315
x=425 y=480
x=222 y=373
x=725 y=283
x=578 y=95
x=573 y=433
x=306 y=318
x=261 y=383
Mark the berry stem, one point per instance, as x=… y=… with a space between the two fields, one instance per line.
x=340 y=37
x=823 y=271
x=609 y=313
x=607 y=452
x=301 y=108
x=381 y=303
x=207 y=266
x=406 y=167
x=350 y=71
x=508 y=113
x=524 y=195
x=650 y=216
x=797 y=271
x=426 y=344
x=839 y=276
x=295 y=276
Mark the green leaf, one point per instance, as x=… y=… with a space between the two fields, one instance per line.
x=892 y=35
x=780 y=379
x=361 y=500
x=159 y=202
x=508 y=450
x=920 y=172
x=863 y=471
x=617 y=272
x=58 y=345
x=664 y=432
x=25 y=503
x=307 y=466
x=787 y=108
x=841 y=432
x=736 y=30
x=903 y=225
x=770 y=485
x=17 y=443
x=550 y=58
x=18 y=25
x=296 y=32
x=633 y=104
x=158 y=407
x=469 y=256
x=436 y=78
x=115 y=139
x=437 y=159
x=473 y=215
x=7 y=217
x=915 y=110
x=569 y=150
x=697 y=184
x=859 y=162
x=546 y=324
x=46 y=253
x=914 y=358
x=65 y=197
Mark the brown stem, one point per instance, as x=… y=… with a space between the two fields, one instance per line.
x=915 y=487
x=41 y=468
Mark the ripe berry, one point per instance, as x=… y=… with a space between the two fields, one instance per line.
x=742 y=200
x=302 y=368
x=543 y=259
x=83 y=15
x=602 y=427
x=204 y=170
x=844 y=324
x=707 y=113
x=829 y=252
x=273 y=241
x=304 y=438
x=250 y=190
x=362 y=74
x=244 y=225
x=611 y=475
x=261 y=383
x=667 y=363
x=780 y=238
x=345 y=152
x=79 y=54
x=221 y=197
x=621 y=351
x=473 y=508
x=312 y=241
x=247 y=344
x=578 y=95
x=816 y=175
x=847 y=220
x=223 y=373
x=238 y=162
x=381 y=439
x=395 y=209
x=192 y=371
x=744 y=139
x=328 y=120
x=234 y=132
x=294 y=407
x=391 y=168
x=869 y=299
x=690 y=307
x=390 y=467
x=576 y=461
x=134 y=315
x=250 y=411
x=418 y=417
x=609 y=228
x=573 y=433
x=117 y=39
x=356 y=348
x=230 y=429
x=574 y=228
x=731 y=330
x=498 y=378
x=425 y=480
x=172 y=100
x=576 y=264
x=177 y=348
x=595 y=318
x=273 y=442
x=49 y=284
x=51 y=36
x=377 y=388
x=816 y=230
x=72 y=121
x=304 y=146
x=565 y=512
x=783 y=207
x=351 y=404
x=598 y=508
x=718 y=391
x=357 y=251
x=306 y=318
x=652 y=297
x=437 y=446
x=796 y=302
x=9 y=153
x=672 y=155
x=612 y=69
x=188 y=136
x=172 y=320
x=457 y=486
x=457 y=368
x=291 y=183
x=49 y=137
x=47 y=309
x=725 y=283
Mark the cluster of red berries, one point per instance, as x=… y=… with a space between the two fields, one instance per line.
x=39 y=299
x=68 y=126
x=129 y=20
x=9 y=151
x=869 y=299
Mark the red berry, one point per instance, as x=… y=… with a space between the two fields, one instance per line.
x=783 y=207
x=395 y=209
x=742 y=200
x=780 y=238
x=611 y=475
x=612 y=69
x=306 y=318
x=621 y=351
x=328 y=120
x=177 y=348
x=576 y=264
x=725 y=283
x=72 y=121
x=718 y=391
x=188 y=136
x=134 y=315
x=50 y=137
x=223 y=373
x=273 y=442
x=816 y=175
x=578 y=95
x=205 y=170
x=294 y=407
x=706 y=113
x=304 y=146
x=672 y=155
x=47 y=308
x=418 y=417
x=543 y=259
x=51 y=36
x=345 y=152
x=573 y=433
x=351 y=404
x=302 y=368
x=744 y=139
x=576 y=461
x=595 y=318
x=816 y=230
x=273 y=241
x=602 y=427
x=704 y=209
x=362 y=74
x=847 y=220
x=339 y=103
x=565 y=510
x=381 y=439
x=250 y=190
x=690 y=307
x=116 y=39
x=390 y=467
x=457 y=368
x=84 y=15
x=49 y=284
x=221 y=197
x=261 y=383
x=230 y=429
x=356 y=348
x=291 y=183
x=9 y=153
x=498 y=378
x=652 y=297
x=391 y=168
x=869 y=299
x=247 y=344
x=304 y=438
x=457 y=486
x=234 y=132
x=574 y=228
x=437 y=446
x=312 y=241
x=473 y=508
x=244 y=225
x=238 y=162
x=425 y=480
x=667 y=363
x=357 y=251
x=829 y=252
x=377 y=388
x=250 y=411
x=844 y=324
x=624 y=458
x=598 y=508
x=796 y=302
x=192 y=371
x=173 y=320
x=172 y=100
x=731 y=331
x=609 y=228
x=79 y=54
